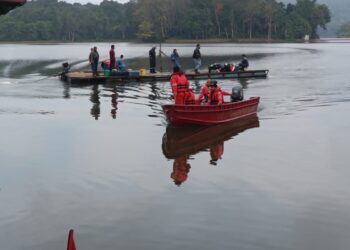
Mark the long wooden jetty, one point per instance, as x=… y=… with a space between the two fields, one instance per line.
x=85 y=77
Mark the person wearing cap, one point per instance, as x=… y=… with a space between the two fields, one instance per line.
x=216 y=96
x=244 y=63
x=152 y=60
x=179 y=86
x=197 y=58
x=205 y=92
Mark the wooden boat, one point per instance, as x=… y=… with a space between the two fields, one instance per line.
x=84 y=77
x=7 y=5
x=179 y=142
x=181 y=115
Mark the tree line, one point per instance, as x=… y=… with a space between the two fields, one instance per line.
x=155 y=20
x=344 y=30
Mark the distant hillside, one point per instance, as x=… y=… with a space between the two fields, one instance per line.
x=156 y=20
x=340 y=10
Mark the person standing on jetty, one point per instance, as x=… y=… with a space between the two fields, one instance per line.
x=96 y=58
x=91 y=60
x=112 y=58
x=152 y=60
x=175 y=59
x=197 y=59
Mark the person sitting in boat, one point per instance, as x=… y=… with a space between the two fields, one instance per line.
x=216 y=95
x=204 y=94
x=244 y=63
x=179 y=86
x=121 y=64
x=190 y=98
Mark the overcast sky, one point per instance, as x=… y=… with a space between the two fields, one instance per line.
x=90 y=1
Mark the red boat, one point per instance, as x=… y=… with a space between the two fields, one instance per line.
x=180 y=115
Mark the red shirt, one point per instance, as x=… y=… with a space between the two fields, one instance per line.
x=112 y=55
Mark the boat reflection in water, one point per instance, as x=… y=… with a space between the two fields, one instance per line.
x=180 y=143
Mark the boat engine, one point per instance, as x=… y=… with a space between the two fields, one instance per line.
x=237 y=94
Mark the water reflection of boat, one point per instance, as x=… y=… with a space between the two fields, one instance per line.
x=191 y=140
x=180 y=143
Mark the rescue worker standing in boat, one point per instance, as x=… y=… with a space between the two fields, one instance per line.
x=179 y=86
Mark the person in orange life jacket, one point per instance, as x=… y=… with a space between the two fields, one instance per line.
x=205 y=92
x=179 y=86
x=180 y=170
x=216 y=96
x=190 y=98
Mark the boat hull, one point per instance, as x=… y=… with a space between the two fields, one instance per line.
x=182 y=115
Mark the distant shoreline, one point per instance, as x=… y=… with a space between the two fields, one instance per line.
x=181 y=41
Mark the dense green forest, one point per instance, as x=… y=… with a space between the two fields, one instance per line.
x=344 y=30
x=340 y=10
x=151 y=20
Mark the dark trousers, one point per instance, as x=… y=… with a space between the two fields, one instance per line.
x=152 y=65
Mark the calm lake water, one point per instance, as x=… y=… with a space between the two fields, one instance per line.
x=101 y=160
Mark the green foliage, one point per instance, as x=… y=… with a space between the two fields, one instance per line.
x=344 y=30
x=154 y=20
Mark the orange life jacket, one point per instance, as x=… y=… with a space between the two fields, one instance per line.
x=179 y=82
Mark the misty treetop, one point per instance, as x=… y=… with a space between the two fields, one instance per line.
x=153 y=20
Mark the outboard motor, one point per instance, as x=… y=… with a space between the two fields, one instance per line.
x=237 y=94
